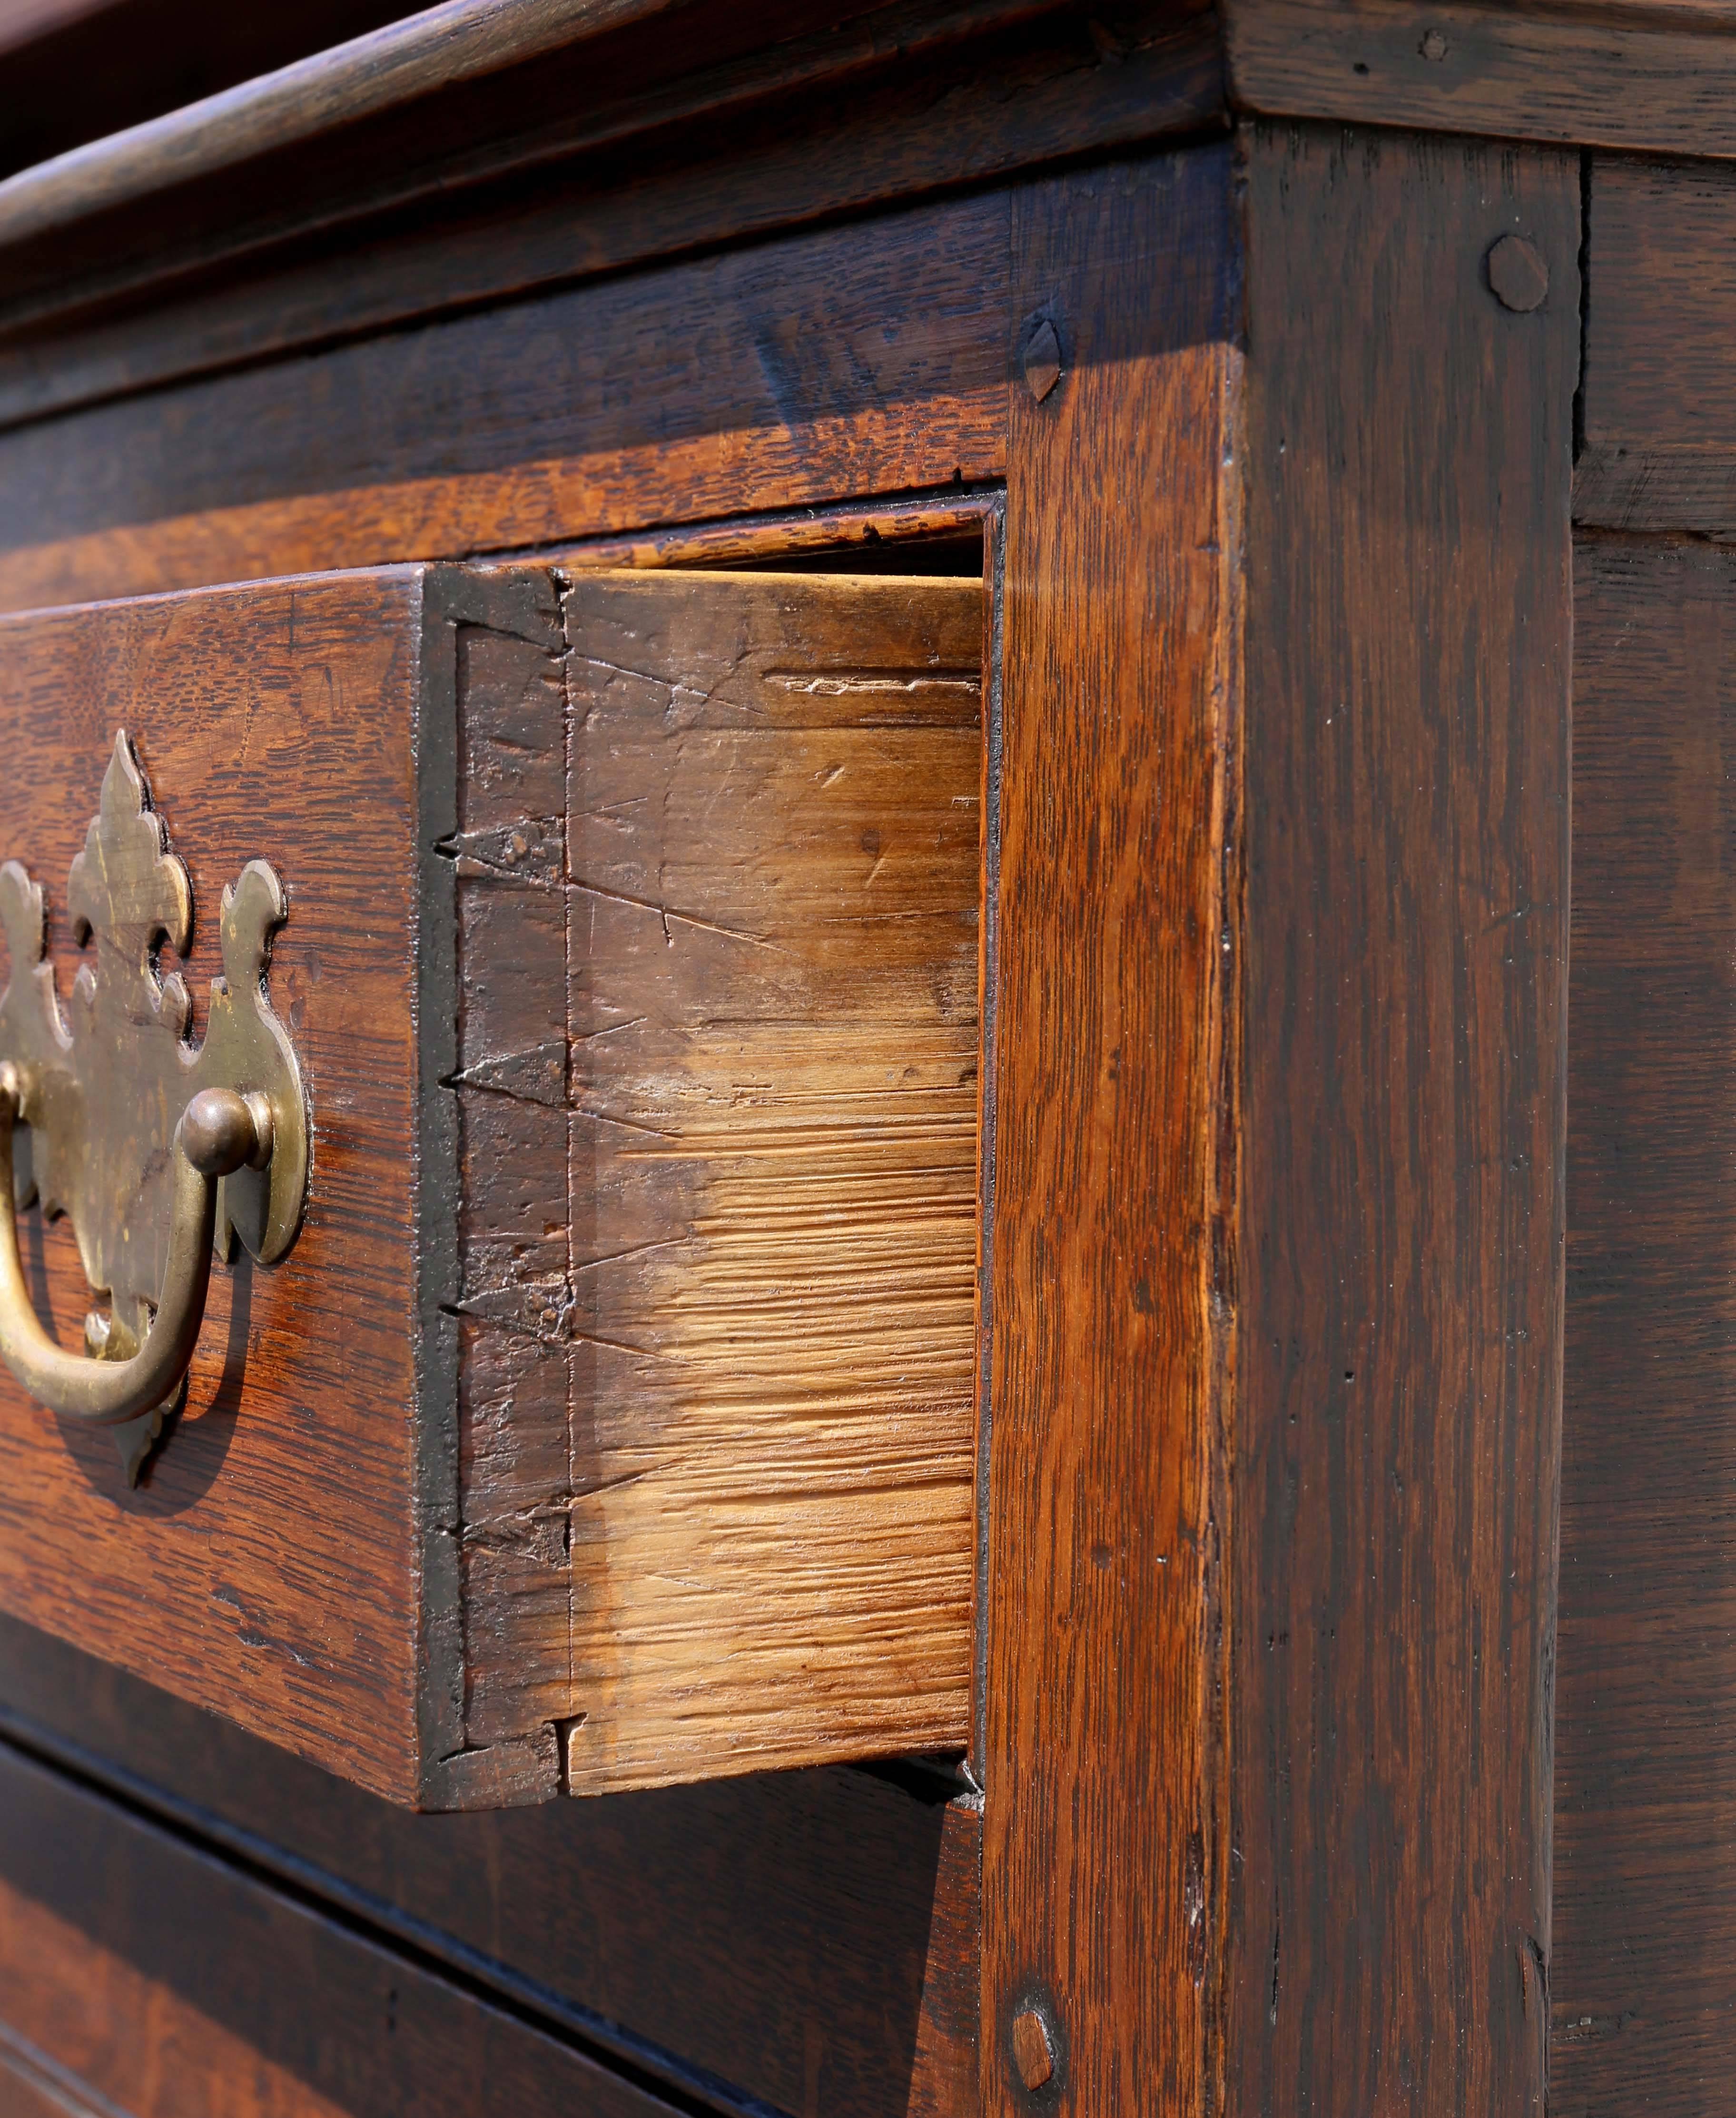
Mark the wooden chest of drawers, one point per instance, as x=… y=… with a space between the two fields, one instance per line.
x=989 y=740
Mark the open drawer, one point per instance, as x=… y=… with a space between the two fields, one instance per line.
x=607 y=1417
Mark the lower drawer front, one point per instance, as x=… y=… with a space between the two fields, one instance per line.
x=138 y=1975
x=812 y=1939
x=608 y=1421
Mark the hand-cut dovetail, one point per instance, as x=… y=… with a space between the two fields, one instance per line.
x=1042 y=360
x=529 y=850
x=1031 y=2050
x=537 y=1075
x=1518 y=277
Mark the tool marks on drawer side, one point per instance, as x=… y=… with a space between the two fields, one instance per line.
x=774 y=814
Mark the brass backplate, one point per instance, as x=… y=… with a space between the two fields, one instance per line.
x=104 y=1081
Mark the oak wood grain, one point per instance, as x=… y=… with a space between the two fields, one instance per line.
x=1101 y=1845
x=1645 y=1817
x=774 y=820
x=310 y=723
x=808 y=370
x=265 y=1566
x=641 y=1382
x=845 y=540
x=1646 y=75
x=165 y=1982
x=859 y=123
x=1398 y=1392
x=802 y=1941
x=1659 y=411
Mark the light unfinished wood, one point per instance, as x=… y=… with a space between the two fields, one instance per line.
x=774 y=814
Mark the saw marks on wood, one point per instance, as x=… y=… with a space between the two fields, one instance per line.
x=774 y=812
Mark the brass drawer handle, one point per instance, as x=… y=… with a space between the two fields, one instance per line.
x=217 y=1135
x=159 y=1150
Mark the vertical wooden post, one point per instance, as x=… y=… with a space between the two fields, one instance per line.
x=1102 y=1837
x=1276 y=1267
x=1412 y=313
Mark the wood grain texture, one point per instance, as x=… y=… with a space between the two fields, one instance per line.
x=804 y=1942
x=265 y=1567
x=164 y=1982
x=1401 y=1255
x=431 y=49
x=846 y=539
x=491 y=968
x=1101 y=1850
x=645 y=1380
x=310 y=723
x=810 y=370
x=76 y=70
x=1646 y=75
x=859 y=122
x=1659 y=407
x=775 y=822
x=509 y=854
x=1645 y=1818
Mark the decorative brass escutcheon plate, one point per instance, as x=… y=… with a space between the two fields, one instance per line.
x=161 y=1151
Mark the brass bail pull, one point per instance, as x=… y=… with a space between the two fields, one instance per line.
x=219 y=1132
x=158 y=1149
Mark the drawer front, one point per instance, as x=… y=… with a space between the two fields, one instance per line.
x=609 y=1421
x=264 y=1565
x=140 y=1977
x=779 y=1931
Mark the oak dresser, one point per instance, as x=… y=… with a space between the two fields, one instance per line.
x=868 y=892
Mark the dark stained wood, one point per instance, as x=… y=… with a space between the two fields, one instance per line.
x=809 y=1939
x=509 y=850
x=168 y=1982
x=808 y=370
x=416 y=56
x=1060 y=81
x=23 y=21
x=491 y=724
x=1103 y=1845
x=1399 y=1276
x=1642 y=75
x=413 y=115
x=1646 y=1735
x=1659 y=402
x=76 y=70
x=774 y=828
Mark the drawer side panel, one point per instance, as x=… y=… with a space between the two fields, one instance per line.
x=774 y=805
